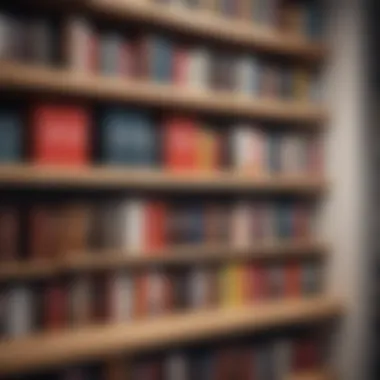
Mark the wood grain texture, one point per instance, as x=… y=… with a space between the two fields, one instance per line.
x=171 y=256
x=19 y=77
x=207 y=24
x=75 y=346
x=103 y=177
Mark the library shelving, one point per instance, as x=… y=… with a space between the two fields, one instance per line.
x=173 y=256
x=103 y=177
x=73 y=346
x=14 y=76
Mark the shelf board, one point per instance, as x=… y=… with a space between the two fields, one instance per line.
x=103 y=177
x=207 y=24
x=173 y=256
x=90 y=343
x=322 y=374
x=21 y=77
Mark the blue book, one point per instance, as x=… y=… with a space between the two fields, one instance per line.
x=161 y=58
x=195 y=224
x=127 y=138
x=314 y=19
x=284 y=220
x=10 y=136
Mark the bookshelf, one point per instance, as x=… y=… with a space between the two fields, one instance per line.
x=35 y=79
x=94 y=342
x=114 y=178
x=192 y=254
x=97 y=340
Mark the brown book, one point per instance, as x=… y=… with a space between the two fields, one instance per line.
x=56 y=305
x=115 y=369
x=9 y=233
x=74 y=228
x=216 y=224
x=43 y=232
x=81 y=297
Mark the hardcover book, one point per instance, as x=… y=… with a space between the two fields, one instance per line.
x=10 y=229
x=60 y=135
x=56 y=306
x=10 y=136
x=80 y=300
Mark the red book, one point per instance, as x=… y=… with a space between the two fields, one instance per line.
x=260 y=282
x=56 y=308
x=306 y=355
x=293 y=280
x=180 y=66
x=180 y=143
x=9 y=233
x=155 y=225
x=141 y=295
x=60 y=135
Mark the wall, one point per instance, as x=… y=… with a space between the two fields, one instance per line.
x=344 y=215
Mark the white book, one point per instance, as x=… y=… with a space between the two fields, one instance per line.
x=78 y=44
x=247 y=75
x=176 y=367
x=241 y=145
x=20 y=311
x=132 y=226
x=121 y=297
x=198 y=68
x=241 y=225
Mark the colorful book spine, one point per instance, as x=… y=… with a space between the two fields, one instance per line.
x=60 y=135
x=56 y=314
x=155 y=220
x=10 y=136
x=199 y=68
x=241 y=225
x=127 y=138
x=121 y=302
x=208 y=148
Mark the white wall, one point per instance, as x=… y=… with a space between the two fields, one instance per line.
x=344 y=215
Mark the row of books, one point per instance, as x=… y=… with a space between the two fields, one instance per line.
x=146 y=227
x=72 y=135
x=264 y=358
x=293 y=16
x=120 y=296
x=155 y=57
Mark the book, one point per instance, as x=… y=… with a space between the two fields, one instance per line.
x=176 y=367
x=121 y=294
x=241 y=225
x=80 y=45
x=56 y=305
x=216 y=224
x=198 y=287
x=40 y=46
x=270 y=80
x=180 y=285
x=10 y=232
x=74 y=229
x=43 y=232
x=60 y=135
x=302 y=221
x=293 y=286
x=11 y=136
x=180 y=143
x=198 y=68
x=282 y=358
x=302 y=83
x=80 y=300
x=141 y=287
x=13 y=37
x=247 y=75
x=260 y=282
x=110 y=53
x=132 y=226
x=276 y=281
x=156 y=292
x=181 y=65
x=208 y=148
x=101 y=299
x=19 y=313
x=311 y=278
x=156 y=228
x=127 y=137
x=284 y=220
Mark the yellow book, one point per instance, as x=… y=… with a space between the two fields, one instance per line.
x=231 y=280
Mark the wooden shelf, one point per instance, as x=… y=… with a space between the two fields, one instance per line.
x=102 y=177
x=206 y=24
x=93 y=261
x=55 y=349
x=39 y=80
x=312 y=375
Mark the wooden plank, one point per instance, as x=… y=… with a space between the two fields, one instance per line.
x=21 y=77
x=207 y=24
x=181 y=255
x=75 y=346
x=102 y=177
x=322 y=374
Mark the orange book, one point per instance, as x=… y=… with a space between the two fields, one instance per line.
x=141 y=295
x=155 y=225
x=60 y=135
x=208 y=149
x=180 y=143
x=293 y=280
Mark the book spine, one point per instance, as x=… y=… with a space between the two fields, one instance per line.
x=80 y=300
x=11 y=136
x=155 y=225
x=241 y=225
x=121 y=302
x=56 y=306
x=19 y=312
x=10 y=226
x=176 y=367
